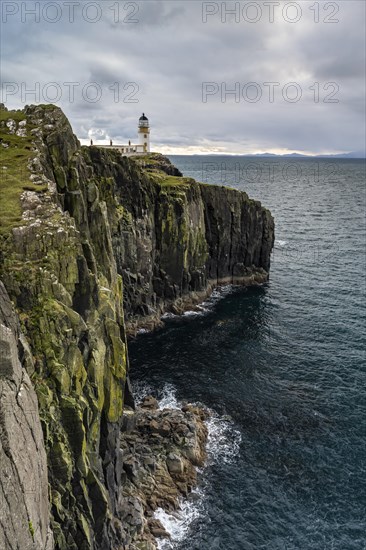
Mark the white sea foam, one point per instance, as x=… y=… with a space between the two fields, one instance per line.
x=179 y=524
x=169 y=315
x=168 y=398
x=204 y=307
x=142 y=389
x=223 y=439
x=280 y=243
x=143 y=331
x=200 y=311
x=220 y=292
x=217 y=294
x=190 y=313
x=223 y=446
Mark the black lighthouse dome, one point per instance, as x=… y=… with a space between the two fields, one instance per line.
x=143 y=121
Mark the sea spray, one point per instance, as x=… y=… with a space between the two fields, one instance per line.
x=223 y=446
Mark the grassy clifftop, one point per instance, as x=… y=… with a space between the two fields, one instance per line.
x=16 y=155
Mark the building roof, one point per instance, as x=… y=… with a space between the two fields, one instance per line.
x=143 y=117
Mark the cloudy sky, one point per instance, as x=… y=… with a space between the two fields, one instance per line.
x=271 y=76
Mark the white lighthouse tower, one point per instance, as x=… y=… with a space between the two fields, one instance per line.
x=140 y=148
x=144 y=133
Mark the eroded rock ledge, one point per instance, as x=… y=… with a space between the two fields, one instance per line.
x=161 y=450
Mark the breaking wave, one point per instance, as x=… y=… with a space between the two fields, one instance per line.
x=223 y=446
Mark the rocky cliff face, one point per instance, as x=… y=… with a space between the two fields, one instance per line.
x=24 y=506
x=60 y=272
x=176 y=239
x=87 y=240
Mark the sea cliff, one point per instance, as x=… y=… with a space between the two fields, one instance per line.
x=94 y=246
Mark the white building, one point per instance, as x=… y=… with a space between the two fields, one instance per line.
x=140 y=148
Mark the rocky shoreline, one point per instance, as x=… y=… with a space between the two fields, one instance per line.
x=161 y=450
x=192 y=301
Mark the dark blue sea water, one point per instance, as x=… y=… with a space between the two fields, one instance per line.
x=282 y=366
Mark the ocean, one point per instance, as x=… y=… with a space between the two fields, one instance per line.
x=281 y=366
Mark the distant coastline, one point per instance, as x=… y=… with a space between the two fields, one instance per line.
x=344 y=156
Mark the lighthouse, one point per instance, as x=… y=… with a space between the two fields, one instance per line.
x=144 y=133
x=143 y=142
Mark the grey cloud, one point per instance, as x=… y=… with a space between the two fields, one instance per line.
x=171 y=52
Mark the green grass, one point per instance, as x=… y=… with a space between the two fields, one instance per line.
x=31 y=529
x=14 y=173
x=151 y=164
x=149 y=158
x=175 y=181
